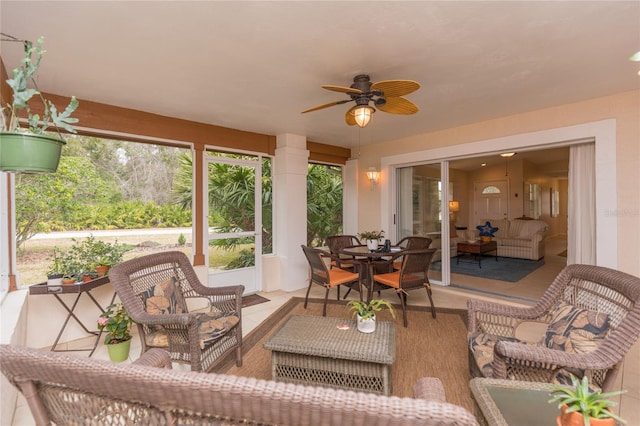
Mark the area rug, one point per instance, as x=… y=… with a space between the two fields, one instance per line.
x=505 y=269
x=426 y=348
x=253 y=299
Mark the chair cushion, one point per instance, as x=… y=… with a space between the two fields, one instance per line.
x=211 y=327
x=481 y=346
x=575 y=330
x=164 y=298
x=214 y=325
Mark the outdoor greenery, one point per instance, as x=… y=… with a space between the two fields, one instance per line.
x=84 y=256
x=108 y=184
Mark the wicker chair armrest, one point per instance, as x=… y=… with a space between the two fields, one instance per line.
x=491 y=316
x=429 y=389
x=185 y=320
x=595 y=360
x=155 y=357
x=231 y=290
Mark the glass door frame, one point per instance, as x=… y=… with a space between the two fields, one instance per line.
x=256 y=234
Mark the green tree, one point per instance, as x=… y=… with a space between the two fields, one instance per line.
x=324 y=203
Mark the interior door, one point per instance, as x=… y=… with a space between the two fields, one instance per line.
x=490 y=200
x=234 y=218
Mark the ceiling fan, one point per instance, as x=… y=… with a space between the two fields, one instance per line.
x=386 y=95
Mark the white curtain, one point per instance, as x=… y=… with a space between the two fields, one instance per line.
x=581 y=243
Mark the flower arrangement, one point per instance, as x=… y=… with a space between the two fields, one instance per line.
x=368 y=309
x=580 y=399
x=117 y=323
x=371 y=235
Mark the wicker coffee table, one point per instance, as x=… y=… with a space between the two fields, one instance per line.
x=312 y=350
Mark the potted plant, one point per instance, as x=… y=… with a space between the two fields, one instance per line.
x=117 y=323
x=582 y=406
x=365 y=313
x=54 y=273
x=30 y=149
x=372 y=238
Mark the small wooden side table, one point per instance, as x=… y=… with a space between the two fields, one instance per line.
x=478 y=249
x=79 y=289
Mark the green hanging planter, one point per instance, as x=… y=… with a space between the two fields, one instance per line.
x=119 y=352
x=21 y=152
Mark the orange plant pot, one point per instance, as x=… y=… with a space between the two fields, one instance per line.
x=575 y=419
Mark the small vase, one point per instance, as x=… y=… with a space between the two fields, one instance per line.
x=54 y=279
x=119 y=352
x=485 y=239
x=372 y=244
x=367 y=325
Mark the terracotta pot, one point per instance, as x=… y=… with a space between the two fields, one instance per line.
x=68 y=281
x=575 y=419
x=102 y=270
x=86 y=278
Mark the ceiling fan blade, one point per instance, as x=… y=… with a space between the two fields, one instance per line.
x=342 y=89
x=330 y=104
x=393 y=88
x=399 y=105
x=350 y=118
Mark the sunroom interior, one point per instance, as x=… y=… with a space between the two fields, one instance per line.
x=604 y=116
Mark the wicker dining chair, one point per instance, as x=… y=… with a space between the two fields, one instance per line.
x=411 y=243
x=592 y=318
x=337 y=242
x=326 y=277
x=412 y=274
x=155 y=289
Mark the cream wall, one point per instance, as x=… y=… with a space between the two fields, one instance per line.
x=624 y=108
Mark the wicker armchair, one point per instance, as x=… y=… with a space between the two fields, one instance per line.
x=337 y=242
x=72 y=390
x=411 y=243
x=584 y=291
x=155 y=289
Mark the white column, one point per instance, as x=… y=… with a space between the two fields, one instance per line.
x=290 y=210
x=350 y=197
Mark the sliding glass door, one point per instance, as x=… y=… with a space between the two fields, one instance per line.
x=419 y=208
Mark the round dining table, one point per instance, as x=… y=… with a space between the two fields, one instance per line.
x=369 y=259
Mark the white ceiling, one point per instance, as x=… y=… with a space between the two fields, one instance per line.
x=256 y=65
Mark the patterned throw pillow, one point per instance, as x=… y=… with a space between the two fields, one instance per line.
x=575 y=330
x=164 y=298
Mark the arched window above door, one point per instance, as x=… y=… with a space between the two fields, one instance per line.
x=491 y=189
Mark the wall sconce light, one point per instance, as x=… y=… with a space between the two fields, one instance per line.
x=362 y=114
x=454 y=207
x=373 y=176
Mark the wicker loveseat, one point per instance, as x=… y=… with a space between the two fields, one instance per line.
x=73 y=390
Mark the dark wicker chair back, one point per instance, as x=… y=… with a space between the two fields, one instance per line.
x=595 y=288
x=414 y=243
x=133 y=281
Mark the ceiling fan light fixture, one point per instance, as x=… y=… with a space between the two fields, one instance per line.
x=362 y=114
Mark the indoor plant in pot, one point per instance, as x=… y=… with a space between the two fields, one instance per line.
x=29 y=149
x=365 y=313
x=582 y=406
x=117 y=323
x=372 y=238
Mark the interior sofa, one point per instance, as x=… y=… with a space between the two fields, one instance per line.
x=519 y=238
x=74 y=390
